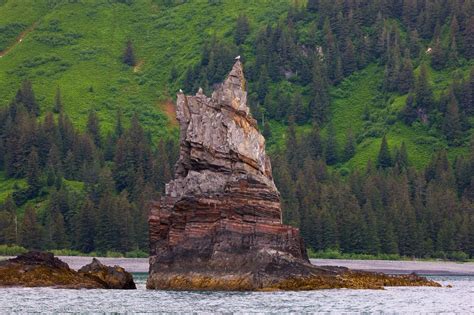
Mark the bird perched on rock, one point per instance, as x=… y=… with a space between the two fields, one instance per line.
x=237 y=58
x=180 y=91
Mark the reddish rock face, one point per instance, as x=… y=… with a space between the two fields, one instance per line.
x=223 y=208
x=218 y=226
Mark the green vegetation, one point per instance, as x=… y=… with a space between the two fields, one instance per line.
x=335 y=80
x=14 y=250
x=336 y=254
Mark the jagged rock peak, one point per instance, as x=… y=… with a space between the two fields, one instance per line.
x=218 y=135
x=219 y=224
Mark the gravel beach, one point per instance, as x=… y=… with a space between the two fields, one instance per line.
x=437 y=268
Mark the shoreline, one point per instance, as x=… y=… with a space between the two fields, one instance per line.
x=430 y=268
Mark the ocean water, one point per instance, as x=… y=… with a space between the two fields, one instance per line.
x=406 y=300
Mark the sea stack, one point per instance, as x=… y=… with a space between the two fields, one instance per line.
x=219 y=224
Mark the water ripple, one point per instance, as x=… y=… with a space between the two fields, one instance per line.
x=459 y=299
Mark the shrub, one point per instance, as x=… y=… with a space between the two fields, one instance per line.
x=11 y=250
x=458 y=256
x=136 y=254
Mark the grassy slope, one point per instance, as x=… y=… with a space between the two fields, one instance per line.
x=348 y=102
x=90 y=37
x=163 y=37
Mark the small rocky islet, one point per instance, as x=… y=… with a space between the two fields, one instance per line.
x=42 y=269
x=219 y=224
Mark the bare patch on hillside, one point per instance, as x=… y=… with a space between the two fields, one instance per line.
x=169 y=109
x=138 y=66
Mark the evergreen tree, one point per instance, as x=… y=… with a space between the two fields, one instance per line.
x=267 y=132
x=330 y=151
x=423 y=90
x=93 y=128
x=401 y=157
x=451 y=123
x=384 y=158
x=314 y=144
x=349 y=59
x=297 y=109
x=58 y=103
x=86 y=227
x=469 y=38
x=26 y=97
x=438 y=58
x=350 y=146
x=128 y=57
x=9 y=222
x=406 y=79
x=319 y=105
x=33 y=174
x=242 y=29
x=30 y=234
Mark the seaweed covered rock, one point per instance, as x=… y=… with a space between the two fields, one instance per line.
x=219 y=224
x=113 y=277
x=40 y=269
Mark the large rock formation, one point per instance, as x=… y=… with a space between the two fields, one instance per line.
x=219 y=224
x=40 y=269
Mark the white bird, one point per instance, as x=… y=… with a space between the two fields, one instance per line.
x=180 y=91
x=237 y=58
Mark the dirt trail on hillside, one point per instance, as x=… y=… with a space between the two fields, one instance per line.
x=18 y=40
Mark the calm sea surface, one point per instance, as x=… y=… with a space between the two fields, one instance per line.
x=458 y=299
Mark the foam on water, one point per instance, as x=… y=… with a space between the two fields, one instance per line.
x=458 y=299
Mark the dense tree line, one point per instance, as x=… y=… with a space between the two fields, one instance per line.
x=117 y=175
x=292 y=64
x=89 y=190
x=388 y=208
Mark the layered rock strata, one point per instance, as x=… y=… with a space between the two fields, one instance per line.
x=40 y=269
x=219 y=224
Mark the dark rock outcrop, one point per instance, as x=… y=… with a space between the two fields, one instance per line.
x=40 y=269
x=113 y=277
x=219 y=225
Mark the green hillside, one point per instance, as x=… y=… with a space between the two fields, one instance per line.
x=327 y=82
x=77 y=45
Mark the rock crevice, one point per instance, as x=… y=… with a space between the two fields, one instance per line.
x=219 y=224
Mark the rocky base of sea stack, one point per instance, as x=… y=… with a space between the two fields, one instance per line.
x=39 y=269
x=276 y=271
x=219 y=224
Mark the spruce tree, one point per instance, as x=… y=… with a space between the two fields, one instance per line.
x=406 y=78
x=319 y=105
x=401 y=157
x=330 y=151
x=33 y=174
x=242 y=29
x=85 y=225
x=451 y=122
x=384 y=158
x=423 y=91
x=438 y=56
x=128 y=57
x=350 y=146
x=93 y=128
x=58 y=103
x=30 y=234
